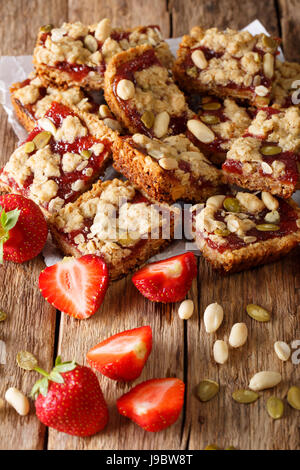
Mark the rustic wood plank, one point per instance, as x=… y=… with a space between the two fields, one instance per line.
x=290 y=26
x=222 y=421
x=31 y=321
x=123 y=13
x=125 y=308
x=222 y=14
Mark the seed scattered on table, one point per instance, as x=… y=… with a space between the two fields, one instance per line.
x=293 y=397
x=275 y=407
x=18 y=401
x=245 y=396
x=186 y=309
x=207 y=389
x=3 y=315
x=213 y=317
x=282 y=350
x=238 y=335
x=220 y=351
x=258 y=313
x=264 y=379
x=26 y=360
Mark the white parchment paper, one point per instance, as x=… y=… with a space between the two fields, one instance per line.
x=17 y=68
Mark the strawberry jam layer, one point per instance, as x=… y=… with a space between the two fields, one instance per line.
x=126 y=71
x=56 y=114
x=290 y=159
x=287 y=225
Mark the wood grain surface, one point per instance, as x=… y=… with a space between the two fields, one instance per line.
x=181 y=349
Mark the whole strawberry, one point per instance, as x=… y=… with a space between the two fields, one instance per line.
x=70 y=399
x=23 y=229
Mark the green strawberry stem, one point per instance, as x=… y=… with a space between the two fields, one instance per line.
x=7 y=221
x=41 y=386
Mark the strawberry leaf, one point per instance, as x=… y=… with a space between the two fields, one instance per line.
x=65 y=367
x=41 y=386
x=58 y=360
x=56 y=377
x=11 y=218
x=44 y=386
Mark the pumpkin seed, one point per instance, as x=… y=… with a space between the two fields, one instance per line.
x=267 y=227
x=230 y=448
x=268 y=42
x=3 y=315
x=258 y=313
x=148 y=119
x=46 y=28
x=231 y=204
x=222 y=232
x=86 y=154
x=26 y=360
x=212 y=447
x=293 y=397
x=207 y=389
x=270 y=149
x=42 y=139
x=211 y=106
x=29 y=147
x=275 y=407
x=127 y=238
x=192 y=72
x=245 y=396
x=210 y=118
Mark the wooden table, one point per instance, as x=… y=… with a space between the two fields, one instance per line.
x=181 y=349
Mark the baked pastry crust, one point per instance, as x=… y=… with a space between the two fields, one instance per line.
x=226 y=63
x=93 y=214
x=249 y=166
x=166 y=170
x=50 y=176
x=155 y=106
x=253 y=253
x=31 y=100
x=77 y=54
x=285 y=90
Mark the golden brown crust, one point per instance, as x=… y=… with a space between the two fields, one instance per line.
x=152 y=180
x=119 y=270
x=24 y=117
x=250 y=256
x=253 y=254
x=256 y=182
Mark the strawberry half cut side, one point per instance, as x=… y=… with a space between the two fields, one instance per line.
x=168 y=280
x=155 y=404
x=122 y=356
x=75 y=286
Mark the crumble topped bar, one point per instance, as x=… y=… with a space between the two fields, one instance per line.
x=31 y=100
x=285 y=86
x=237 y=232
x=76 y=54
x=267 y=156
x=226 y=62
x=143 y=96
x=166 y=170
x=61 y=158
x=217 y=123
x=114 y=221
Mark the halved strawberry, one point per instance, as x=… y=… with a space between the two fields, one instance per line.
x=168 y=280
x=155 y=404
x=23 y=229
x=75 y=286
x=122 y=356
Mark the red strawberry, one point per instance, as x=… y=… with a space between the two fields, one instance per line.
x=155 y=404
x=23 y=229
x=70 y=399
x=122 y=356
x=75 y=286
x=168 y=280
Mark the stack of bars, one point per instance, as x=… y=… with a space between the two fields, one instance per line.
x=215 y=127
